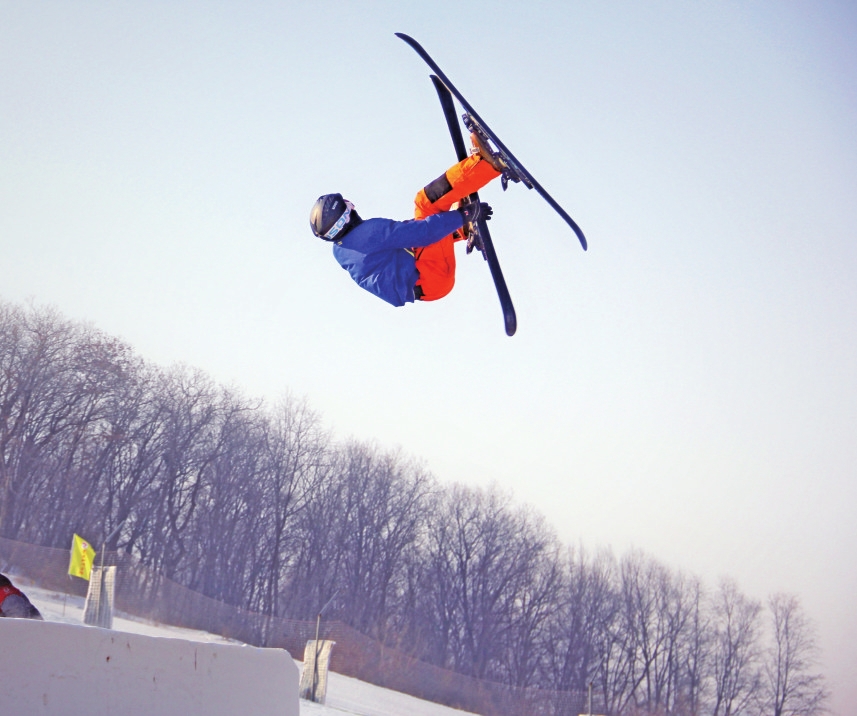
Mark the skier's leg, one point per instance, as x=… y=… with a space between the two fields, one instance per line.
x=460 y=180
x=436 y=263
x=436 y=266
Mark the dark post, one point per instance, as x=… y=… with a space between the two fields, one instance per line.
x=317 y=627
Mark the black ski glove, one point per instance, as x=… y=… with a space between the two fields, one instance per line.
x=473 y=211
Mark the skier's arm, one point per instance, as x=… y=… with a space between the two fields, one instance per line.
x=433 y=228
x=420 y=232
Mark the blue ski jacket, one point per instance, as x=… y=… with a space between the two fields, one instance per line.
x=375 y=252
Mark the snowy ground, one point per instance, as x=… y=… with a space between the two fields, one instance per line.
x=344 y=694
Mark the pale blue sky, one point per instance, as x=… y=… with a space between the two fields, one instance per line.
x=688 y=386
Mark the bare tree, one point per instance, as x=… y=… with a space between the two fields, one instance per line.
x=385 y=509
x=537 y=594
x=36 y=405
x=580 y=625
x=313 y=573
x=654 y=630
x=491 y=577
x=695 y=658
x=225 y=535
x=296 y=460
x=793 y=688
x=192 y=415
x=56 y=379
x=735 y=651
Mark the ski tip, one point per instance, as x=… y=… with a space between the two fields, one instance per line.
x=439 y=85
x=511 y=324
x=416 y=46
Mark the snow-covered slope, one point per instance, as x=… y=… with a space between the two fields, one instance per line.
x=344 y=694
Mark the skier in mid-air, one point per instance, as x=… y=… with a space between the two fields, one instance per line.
x=406 y=261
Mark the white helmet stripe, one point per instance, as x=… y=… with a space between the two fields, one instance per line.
x=340 y=222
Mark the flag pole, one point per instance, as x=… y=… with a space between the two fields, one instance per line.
x=102 y=587
x=107 y=539
x=315 y=660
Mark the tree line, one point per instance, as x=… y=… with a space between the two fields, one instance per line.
x=259 y=506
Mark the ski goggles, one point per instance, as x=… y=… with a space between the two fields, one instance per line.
x=340 y=222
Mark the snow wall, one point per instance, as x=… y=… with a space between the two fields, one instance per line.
x=50 y=668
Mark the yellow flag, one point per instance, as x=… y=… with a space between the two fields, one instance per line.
x=82 y=556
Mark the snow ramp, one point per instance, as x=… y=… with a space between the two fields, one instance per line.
x=50 y=668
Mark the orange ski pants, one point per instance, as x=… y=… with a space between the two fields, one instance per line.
x=436 y=262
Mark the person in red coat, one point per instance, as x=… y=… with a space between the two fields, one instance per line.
x=14 y=603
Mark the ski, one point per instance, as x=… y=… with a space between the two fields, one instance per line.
x=474 y=123
x=480 y=236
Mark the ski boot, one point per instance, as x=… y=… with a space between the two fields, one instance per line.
x=498 y=159
x=483 y=149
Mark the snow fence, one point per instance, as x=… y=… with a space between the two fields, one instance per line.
x=58 y=669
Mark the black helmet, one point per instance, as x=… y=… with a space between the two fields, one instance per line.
x=332 y=216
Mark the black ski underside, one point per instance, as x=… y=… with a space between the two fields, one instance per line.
x=529 y=179
x=509 y=317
